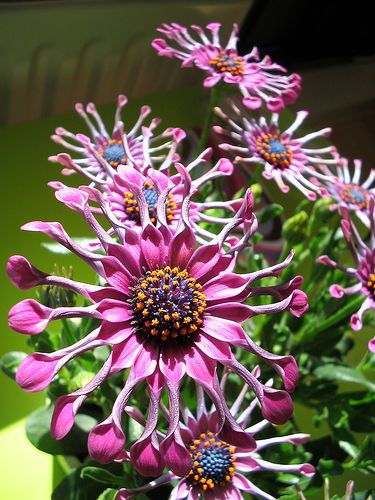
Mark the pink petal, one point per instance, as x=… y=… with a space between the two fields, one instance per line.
x=200 y=367
x=115 y=311
x=182 y=247
x=277 y=406
x=177 y=457
x=223 y=329
x=106 y=440
x=172 y=363
x=36 y=372
x=152 y=244
x=22 y=274
x=28 y=316
x=210 y=81
x=146 y=458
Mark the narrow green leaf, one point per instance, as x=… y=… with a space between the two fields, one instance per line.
x=344 y=374
x=101 y=475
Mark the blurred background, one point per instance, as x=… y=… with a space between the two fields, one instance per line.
x=55 y=53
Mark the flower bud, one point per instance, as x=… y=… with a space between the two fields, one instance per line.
x=295 y=228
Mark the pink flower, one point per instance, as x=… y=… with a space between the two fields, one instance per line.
x=364 y=271
x=217 y=467
x=100 y=155
x=258 y=80
x=122 y=192
x=167 y=309
x=283 y=156
x=348 y=191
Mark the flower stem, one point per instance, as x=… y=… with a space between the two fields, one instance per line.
x=214 y=97
x=312 y=331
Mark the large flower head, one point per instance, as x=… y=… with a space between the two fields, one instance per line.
x=218 y=469
x=101 y=154
x=283 y=156
x=363 y=273
x=258 y=80
x=166 y=309
x=347 y=189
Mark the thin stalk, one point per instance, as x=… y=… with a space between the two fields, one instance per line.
x=214 y=97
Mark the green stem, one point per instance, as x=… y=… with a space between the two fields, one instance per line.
x=214 y=97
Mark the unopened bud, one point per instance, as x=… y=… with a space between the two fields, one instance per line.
x=295 y=228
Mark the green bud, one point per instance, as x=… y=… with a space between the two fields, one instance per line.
x=257 y=192
x=295 y=228
x=56 y=296
x=321 y=213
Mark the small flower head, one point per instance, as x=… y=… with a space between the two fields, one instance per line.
x=347 y=189
x=258 y=80
x=283 y=156
x=363 y=273
x=100 y=155
x=218 y=468
x=166 y=309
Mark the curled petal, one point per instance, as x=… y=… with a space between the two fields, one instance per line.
x=22 y=274
x=106 y=440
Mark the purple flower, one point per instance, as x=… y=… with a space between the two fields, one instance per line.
x=258 y=80
x=364 y=271
x=167 y=308
x=121 y=193
x=283 y=156
x=217 y=467
x=100 y=155
x=348 y=191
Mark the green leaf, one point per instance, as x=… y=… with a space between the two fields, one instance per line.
x=330 y=467
x=10 y=362
x=73 y=487
x=75 y=443
x=343 y=374
x=101 y=475
x=108 y=494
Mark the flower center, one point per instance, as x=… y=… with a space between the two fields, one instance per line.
x=113 y=153
x=213 y=462
x=274 y=151
x=168 y=304
x=151 y=197
x=354 y=195
x=371 y=284
x=228 y=62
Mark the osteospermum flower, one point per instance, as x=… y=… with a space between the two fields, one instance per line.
x=100 y=155
x=166 y=309
x=348 y=191
x=283 y=156
x=218 y=469
x=128 y=184
x=258 y=80
x=364 y=271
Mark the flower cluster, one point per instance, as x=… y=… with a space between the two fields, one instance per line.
x=179 y=298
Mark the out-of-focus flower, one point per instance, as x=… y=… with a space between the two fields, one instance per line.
x=167 y=308
x=217 y=467
x=283 y=156
x=100 y=155
x=258 y=80
x=347 y=190
x=364 y=271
